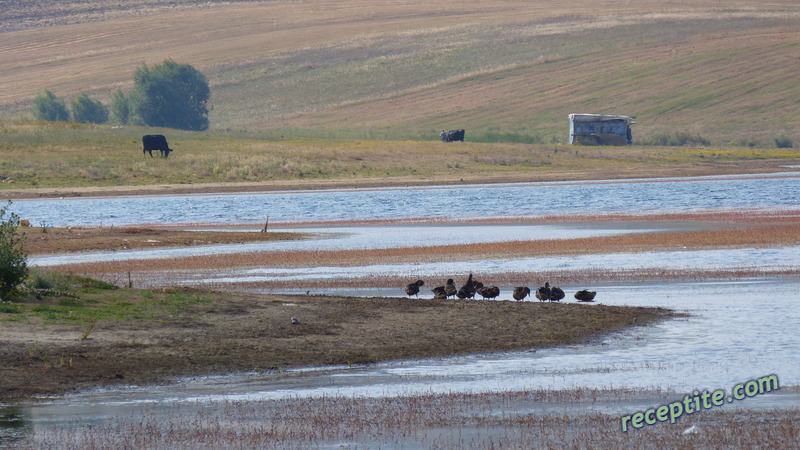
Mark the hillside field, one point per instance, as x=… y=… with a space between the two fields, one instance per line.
x=507 y=71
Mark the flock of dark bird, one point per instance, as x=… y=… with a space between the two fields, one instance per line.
x=472 y=288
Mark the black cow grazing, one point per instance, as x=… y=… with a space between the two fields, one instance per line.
x=454 y=135
x=158 y=142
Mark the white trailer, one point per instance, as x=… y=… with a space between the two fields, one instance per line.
x=600 y=129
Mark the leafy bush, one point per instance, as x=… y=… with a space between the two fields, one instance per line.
x=679 y=138
x=46 y=106
x=65 y=282
x=745 y=143
x=42 y=280
x=170 y=95
x=783 y=142
x=514 y=138
x=87 y=110
x=92 y=283
x=13 y=260
x=120 y=109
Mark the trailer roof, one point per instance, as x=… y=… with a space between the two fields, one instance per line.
x=599 y=117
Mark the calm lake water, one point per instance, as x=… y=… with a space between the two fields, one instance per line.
x=774 y=192
x=738 y=330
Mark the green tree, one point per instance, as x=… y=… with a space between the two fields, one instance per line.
x=170 y=95
x=87 y=110
x=46 y=106
x=13 y=260
x=120 y=108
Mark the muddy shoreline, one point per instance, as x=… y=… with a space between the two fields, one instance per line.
x=236 y=332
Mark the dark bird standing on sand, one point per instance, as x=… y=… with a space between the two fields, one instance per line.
x=543 y=293
x=556 y=294
x=467 y=290
x=442 y=292
x=520 y=292
x=488 y=292
x=413 y=288
x=585 y=295
x=450 y=288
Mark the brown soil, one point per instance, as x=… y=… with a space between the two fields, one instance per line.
x=219 y=35
x=75 y=239
x=243 y=332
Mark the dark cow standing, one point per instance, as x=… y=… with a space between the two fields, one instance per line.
x=454 y=135
x=158 y=142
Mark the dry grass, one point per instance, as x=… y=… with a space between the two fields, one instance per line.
x=457 y=420
x=61 y=160
x=405 y=69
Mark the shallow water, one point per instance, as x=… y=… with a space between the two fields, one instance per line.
x=774 y=191
x=738 y=331
x=773 y=259
x=368 y=237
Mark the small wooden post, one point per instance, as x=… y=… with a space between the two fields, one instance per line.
x=130 y=282
x=266 y=225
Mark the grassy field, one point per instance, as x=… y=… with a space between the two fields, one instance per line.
x=508 y=71
x=55 y=155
